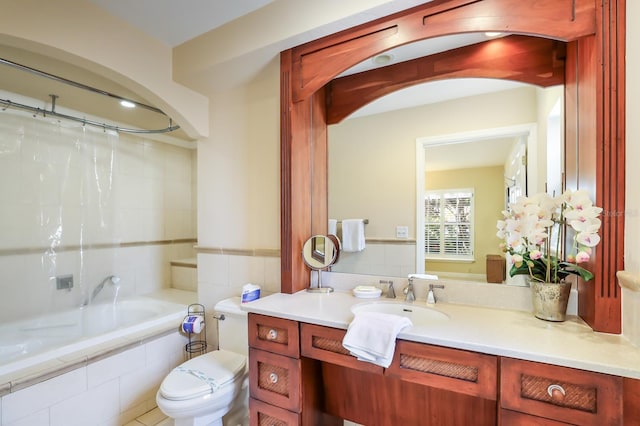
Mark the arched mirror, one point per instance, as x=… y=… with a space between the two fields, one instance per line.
x=385 y=158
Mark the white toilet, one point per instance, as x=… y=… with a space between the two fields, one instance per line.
x=212 y=389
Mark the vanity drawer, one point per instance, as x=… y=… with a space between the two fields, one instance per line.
x=325 y=344
x=274 y=335
x=445 y=368
x=262 y=414
x=560 y=393
x=275 y=379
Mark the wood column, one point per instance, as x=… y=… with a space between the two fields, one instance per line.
x=303 y=175
x=595 y=111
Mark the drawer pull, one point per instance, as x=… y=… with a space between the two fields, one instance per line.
x=273 y=378
x=272 y=335
x=556 y=392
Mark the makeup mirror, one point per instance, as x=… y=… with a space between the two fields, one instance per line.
x=319 y=253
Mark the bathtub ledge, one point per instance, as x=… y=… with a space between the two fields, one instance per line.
x=629 y=280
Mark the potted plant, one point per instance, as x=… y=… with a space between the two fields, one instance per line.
x=533 y=231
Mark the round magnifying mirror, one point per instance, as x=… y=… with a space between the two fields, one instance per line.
x=319 y=252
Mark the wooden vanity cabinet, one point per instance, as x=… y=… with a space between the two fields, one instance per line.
x=300 y=374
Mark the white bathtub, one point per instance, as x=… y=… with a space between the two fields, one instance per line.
x=27 y=342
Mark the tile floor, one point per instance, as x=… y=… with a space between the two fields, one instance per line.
x=154 y=417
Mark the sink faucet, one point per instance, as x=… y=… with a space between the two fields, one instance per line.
x=111 y=278
x=431 y=298
x=408 y=291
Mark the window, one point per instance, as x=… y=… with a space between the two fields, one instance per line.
x=448 y=224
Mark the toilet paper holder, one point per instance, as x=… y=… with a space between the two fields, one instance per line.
x=193 y=325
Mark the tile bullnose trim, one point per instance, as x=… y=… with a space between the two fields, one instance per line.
x=238 y=252
x=629 y=280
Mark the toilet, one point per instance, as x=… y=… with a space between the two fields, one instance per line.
x=212 y=389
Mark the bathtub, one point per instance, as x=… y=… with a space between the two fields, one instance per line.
x=60 y=336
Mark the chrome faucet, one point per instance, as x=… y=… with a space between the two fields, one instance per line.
x=111 y=278
x=431 y=298
x=408 y=291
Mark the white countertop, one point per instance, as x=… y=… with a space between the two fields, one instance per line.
x=515 y=334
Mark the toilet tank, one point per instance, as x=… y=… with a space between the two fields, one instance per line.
x=232 y=331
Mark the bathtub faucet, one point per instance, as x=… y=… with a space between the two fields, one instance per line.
x=111 y=278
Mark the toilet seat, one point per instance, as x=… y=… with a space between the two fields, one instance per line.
x=203 y=375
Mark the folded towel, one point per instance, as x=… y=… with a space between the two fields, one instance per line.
x=353 y=235
x=371 y=336
x=333 y=227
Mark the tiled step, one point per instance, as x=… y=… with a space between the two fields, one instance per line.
x=184 y=274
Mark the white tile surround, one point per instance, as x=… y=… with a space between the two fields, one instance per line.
x=497 y=296
x=110 y=392
x=380 y=256
x=221 y=275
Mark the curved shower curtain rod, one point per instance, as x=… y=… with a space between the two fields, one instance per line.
x=8 y=103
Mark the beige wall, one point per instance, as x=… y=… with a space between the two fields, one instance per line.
x=631 y=299
x=632 y=216
x=488 y=186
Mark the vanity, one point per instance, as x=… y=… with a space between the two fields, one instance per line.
x=474 y=365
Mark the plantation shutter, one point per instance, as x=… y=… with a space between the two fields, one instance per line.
x=448 y=232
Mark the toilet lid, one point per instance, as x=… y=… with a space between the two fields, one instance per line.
x=202 y=375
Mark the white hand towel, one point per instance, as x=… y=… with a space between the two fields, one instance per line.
x=353 y=235
x=333 y=227
x=371 y=336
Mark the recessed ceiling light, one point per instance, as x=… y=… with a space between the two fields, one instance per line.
x=383 y=59
x=492 y=34
x=127 y=104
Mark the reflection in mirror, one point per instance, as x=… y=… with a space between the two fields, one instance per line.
x=374 y=172
x=319 y=253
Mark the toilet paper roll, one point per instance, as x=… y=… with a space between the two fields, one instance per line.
x=193 y=324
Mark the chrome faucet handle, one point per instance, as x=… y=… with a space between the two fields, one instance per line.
x=431 y=298
x=391 y=293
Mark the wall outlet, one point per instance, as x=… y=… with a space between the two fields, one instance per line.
x=64 y=282
x=402 y=232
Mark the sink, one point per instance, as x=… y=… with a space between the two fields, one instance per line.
x=419 y=315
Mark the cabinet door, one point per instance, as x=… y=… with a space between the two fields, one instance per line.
x=456 y=370
x=275 y=335
x=561 y=393
x=325 y=344
x=275 y=379
x=262 y=414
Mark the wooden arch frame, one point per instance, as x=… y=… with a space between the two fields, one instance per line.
x=594 y=96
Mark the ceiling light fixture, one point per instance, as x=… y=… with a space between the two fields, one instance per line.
x=383 y=59
x=127 y=104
